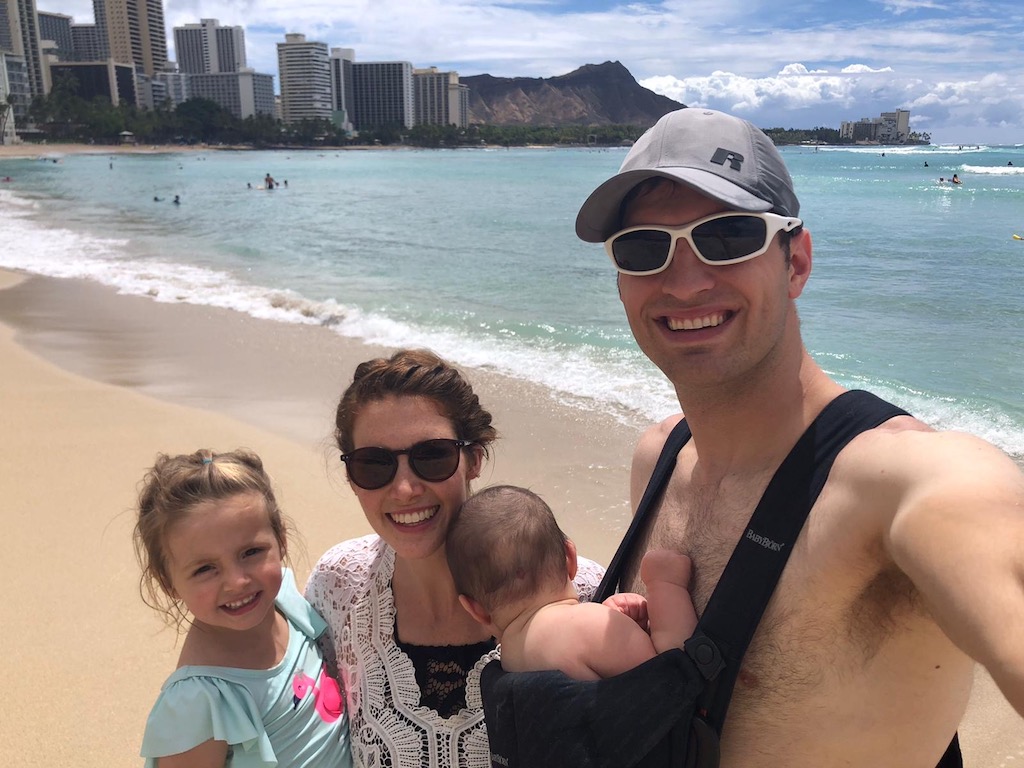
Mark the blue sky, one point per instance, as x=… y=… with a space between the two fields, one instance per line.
x=958 y=66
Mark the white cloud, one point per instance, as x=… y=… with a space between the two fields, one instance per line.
x=904 y=6
x=863 y=69
x=994 y=101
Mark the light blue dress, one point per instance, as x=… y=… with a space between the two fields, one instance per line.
x=292 y=715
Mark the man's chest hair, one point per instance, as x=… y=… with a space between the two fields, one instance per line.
x=837 y=578
x=703 y=522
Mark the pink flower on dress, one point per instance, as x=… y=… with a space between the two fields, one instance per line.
x=328 y=701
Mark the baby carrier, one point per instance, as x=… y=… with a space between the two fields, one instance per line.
x=670 y=710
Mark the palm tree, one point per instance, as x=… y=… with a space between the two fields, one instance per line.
x=6 y=111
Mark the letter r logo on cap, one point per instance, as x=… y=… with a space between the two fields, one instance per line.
x=723 y=156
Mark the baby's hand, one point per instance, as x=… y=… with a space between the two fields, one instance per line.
x=666 y=565
x=631 y=604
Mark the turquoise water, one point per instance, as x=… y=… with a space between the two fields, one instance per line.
x=916 y=291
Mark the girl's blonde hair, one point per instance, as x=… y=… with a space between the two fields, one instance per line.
x=171 y=489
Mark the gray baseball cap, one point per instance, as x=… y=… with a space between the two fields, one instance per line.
x=723 y=157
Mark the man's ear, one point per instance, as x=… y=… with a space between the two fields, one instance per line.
x=476 y=610
x=799 y=262
x=571 y=561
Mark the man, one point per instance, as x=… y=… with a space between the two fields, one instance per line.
x=910 y=566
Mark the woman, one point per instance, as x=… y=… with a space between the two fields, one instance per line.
x=412 y=436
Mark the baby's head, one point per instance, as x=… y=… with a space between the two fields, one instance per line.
x=179 y=487
x=505 y=547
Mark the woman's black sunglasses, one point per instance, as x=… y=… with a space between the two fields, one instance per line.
x=432 y=460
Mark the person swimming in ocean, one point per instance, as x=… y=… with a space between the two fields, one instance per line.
x=176 y=200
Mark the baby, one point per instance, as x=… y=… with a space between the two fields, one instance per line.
x=513 y=568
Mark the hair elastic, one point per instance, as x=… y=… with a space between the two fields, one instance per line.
x=208 y=460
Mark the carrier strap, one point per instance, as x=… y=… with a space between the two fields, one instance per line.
x=749 y=579
x=752 y=573
x=677 y=438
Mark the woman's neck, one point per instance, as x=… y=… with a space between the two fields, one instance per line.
x=427 y=608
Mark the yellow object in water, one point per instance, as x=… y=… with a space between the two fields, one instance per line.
x=1018 y=237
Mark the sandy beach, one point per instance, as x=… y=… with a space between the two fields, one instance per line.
x=95 y=384
x=32 y=150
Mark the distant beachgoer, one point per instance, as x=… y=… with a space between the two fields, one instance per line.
x=176 y=200
x=268 y=181
x=956 y=179
x=925 y=163
x=286 y=183
x=538 y=618
x=1009 y=162
x=251 y=678
x=157 y=199
x=248 y=184
x=6 y=178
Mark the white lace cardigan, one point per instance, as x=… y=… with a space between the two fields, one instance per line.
x=351 y=588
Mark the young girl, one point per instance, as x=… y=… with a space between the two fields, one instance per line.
x=251 y=688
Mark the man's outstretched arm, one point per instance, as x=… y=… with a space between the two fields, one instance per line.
x=958 y=532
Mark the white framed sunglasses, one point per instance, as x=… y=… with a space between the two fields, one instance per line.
x=718 y=240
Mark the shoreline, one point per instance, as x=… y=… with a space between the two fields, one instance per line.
x=32 y=151
x=96 y=383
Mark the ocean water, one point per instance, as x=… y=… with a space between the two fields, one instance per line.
x=916 y=292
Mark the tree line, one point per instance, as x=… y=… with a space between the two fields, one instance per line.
x=823 y=135
x=63 y=115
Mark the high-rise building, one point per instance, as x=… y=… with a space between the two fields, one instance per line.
x=440 y=98
x=382 y=94
x=207 y=47
x=133 y=31
x=86 y=43
x=56 y=27
x=102 y=79
x=305 y=71
x=7 y=117
x=17 y=89
x=8 y=30
x=895 y=127
x=99 y=14
x=342 y=60
x=243 y=94
x=887 y=128
x=176 y=86
x=21 y=38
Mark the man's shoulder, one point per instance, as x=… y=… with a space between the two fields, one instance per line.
x=906 y=449
x=652 y=440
